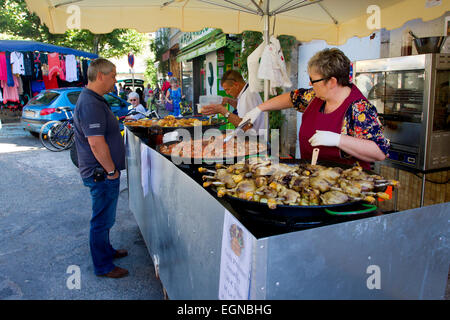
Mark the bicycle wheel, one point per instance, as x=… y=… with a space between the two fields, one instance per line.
x=45 y=138
x=61 y=135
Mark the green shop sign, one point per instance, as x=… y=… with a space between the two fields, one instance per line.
x=190 y=37
x=204 y=49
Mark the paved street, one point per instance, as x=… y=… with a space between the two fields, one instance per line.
x=44 y=229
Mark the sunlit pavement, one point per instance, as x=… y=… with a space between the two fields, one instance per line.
x=44 y=229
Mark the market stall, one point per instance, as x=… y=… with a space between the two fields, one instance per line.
x=203 y=248
x=27 y=67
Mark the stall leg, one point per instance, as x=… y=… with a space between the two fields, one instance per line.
x=422 y=193
x=166 y=296
x=397 y=177
x=156 y=265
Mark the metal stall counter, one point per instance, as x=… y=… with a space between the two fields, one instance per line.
x=201 y=248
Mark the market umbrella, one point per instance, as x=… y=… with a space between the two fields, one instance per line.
x=330 y=20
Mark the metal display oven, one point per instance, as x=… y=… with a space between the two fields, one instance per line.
x=411 y=94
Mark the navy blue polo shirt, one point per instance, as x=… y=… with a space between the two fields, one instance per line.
x=93 y=117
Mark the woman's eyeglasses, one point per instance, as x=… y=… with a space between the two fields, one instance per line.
x=133 y=99
x=318 y=80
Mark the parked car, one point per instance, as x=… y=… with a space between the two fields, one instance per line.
x=42 y=107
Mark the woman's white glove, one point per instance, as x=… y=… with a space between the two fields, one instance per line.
x=252 y=115
x=325 y=138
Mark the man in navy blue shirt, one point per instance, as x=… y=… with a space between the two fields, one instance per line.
x=101 y=156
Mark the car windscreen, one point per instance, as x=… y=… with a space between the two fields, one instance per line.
x=43 y=98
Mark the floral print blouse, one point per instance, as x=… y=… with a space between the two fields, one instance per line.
x=360 y=121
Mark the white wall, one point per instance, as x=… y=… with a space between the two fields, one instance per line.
x=430 y=28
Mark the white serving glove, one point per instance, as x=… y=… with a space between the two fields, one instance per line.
x=252 y=115
x=325 y=138
x=170 y=136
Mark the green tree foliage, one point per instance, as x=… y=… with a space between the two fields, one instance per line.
x=154 y=65
x=159 y=46
x=18 y=23
x=247 y=42
x=151 y=72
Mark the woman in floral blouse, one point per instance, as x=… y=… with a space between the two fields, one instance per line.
x=337 y=118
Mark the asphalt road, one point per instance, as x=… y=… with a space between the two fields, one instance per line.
x=44 y=229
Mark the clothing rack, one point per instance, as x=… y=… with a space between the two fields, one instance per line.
x=38 y=66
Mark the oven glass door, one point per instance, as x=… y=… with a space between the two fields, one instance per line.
x=441 y=116
x=404 y=98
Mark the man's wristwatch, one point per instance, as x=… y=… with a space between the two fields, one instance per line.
x=111 y=173
x=226 y=115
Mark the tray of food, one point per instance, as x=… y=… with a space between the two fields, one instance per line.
x=259 y=185
x=171 y=123
x=213 y=149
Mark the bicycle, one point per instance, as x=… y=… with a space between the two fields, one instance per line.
x=58 y=135
x=149 y=114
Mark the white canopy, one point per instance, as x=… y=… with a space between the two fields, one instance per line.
x=334 y=21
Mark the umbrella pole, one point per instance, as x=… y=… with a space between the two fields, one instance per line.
x=266 y=41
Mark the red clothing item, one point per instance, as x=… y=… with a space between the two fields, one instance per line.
x=166 y=86
x=313 y=119
x=54 y=65
x=50 y=83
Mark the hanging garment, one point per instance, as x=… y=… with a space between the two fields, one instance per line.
x=37 y=67
x=273 y=67
x=37 y=86
x=44 y=69
x=50 y=83
x=3 y=73
x=10 y=79
x=43 y=57
x=17 y=63
x=254 y=83
x=54 y=65
x=62 y=63
x=71 y=68
x=28 y=63
x=20 y=85
x=10 y=93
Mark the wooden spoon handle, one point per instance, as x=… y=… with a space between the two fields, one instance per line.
x=315 y=155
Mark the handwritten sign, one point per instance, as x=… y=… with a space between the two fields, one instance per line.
x=236 y=258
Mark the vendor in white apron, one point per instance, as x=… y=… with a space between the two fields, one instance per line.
x=243 y=101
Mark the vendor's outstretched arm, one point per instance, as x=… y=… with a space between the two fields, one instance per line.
x=277 y=103
x=283 y=101
x=363 y=149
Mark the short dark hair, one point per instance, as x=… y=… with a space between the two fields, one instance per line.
x=231 y=75
x=331 y=63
